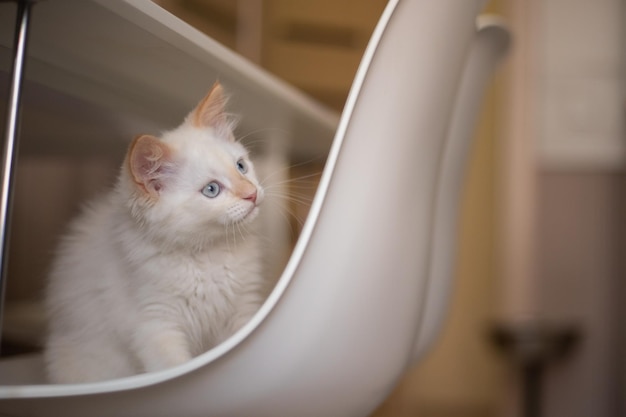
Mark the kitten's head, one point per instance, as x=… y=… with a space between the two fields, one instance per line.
x=195 y=182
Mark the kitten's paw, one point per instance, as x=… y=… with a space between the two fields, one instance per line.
x=163 y=351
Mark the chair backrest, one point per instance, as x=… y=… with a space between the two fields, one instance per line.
x=340 y=327
x=490 y=44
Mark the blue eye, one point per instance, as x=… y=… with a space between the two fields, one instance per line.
x=242 y=166
x=212 y=189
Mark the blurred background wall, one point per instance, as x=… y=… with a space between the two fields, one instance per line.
x=581 y=155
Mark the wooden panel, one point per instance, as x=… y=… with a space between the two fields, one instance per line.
x=309 y=66
x=346 y=13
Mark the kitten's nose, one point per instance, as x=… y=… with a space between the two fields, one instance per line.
x=251 y=197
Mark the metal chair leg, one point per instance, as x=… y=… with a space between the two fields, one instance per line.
x=11 y=138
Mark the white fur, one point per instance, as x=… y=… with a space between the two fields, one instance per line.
x=143 y=284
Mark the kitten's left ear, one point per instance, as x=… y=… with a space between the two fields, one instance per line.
x=210 y=112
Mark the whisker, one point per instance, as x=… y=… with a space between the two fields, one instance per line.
x=289 y=196
x=297 y=181
x=299 y=220
x=228 y=229
x=282 y=192
x=287 y=214
x=287 y=168
x=262 y=139
x=303 y=200
x=243 y=231
x=262 y=129
x=290 y=211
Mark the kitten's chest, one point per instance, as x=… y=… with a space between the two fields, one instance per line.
x=199 y=279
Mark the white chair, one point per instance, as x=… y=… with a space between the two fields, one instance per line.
x=367 y=284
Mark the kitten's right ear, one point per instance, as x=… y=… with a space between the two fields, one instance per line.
x=150 y=164
x=211 y=112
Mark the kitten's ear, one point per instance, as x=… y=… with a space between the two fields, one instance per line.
x=150 y=164
x=210 y=112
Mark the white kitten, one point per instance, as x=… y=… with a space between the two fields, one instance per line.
x=163 y=267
